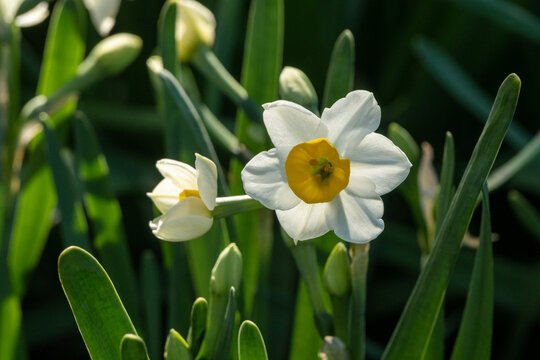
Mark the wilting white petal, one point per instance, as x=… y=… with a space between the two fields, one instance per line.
x=358 y=219
x=34 y=16
x=307 y=221
x=378 y=159
x=183 y=175
x=264 y=180
x=289 y=124
x=165 y=195
x=350 y=119
x=186 y=220
x=206 y=180
x=103 y=14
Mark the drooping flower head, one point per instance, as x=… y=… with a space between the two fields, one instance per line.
x=186 y=197
x=195 y=25
x=326 y=173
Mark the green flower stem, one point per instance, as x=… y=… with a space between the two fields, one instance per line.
x=223 y=135
x=340 y=308
x=232 y=205
x=357 y=326
x=207 y=62
x=306 y=261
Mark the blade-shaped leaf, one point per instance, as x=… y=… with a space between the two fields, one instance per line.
x=100 y=315
x=105 y=215
x=474 y=336
x=74 y=226
x=454 y=79
x=410 y=337
x=151 y=301
x=340 y=73
x=64 y=50
x=176 y=348
x=251 y=343
x=132 y=347
x=197 y=328
x=527 y=215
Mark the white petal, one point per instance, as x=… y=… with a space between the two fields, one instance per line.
x=289 y=124
x=34 y=16
x=206 y=180
x=9 y=8
x=183 y=175
x=358 y=219
x=165 y=195
x=350 y=119
x=306 y=221
x=103 y=14
x=264 y=180
x=360 y=186
x=378 y=159
x=186 y=220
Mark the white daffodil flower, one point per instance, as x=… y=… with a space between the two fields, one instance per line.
x=34 y=16
x=186 y=197
x=326 y=173
x=103 y=14
x=195 y=25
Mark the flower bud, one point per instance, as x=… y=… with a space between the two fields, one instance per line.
x=195 y=25
x=110 y=56
x=295 y=86
x=337 y=273
x=227 y=271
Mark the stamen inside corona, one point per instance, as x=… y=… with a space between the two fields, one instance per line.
x=187 y=193
x=315 y=172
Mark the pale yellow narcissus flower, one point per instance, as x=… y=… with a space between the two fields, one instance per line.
x=326 y=173
x=34 y=16
x=195 y=25
x=186 y=197
x=103 y=14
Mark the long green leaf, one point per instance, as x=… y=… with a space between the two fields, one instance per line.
x=340 y=73
x=474 y=336
x=100 y=315
x=74 y=226
x=132 y=347
x=176 y=348
x=409 y=188
x=522 y=159
x=64 y=50
x=105 y=215
x=410 y=337
x=250 y=342
x=527 y=215
x=447 y=181
x=305 y=340
x=263 y=54
x=197 y=328
x=262 y=63
x=506 y=14
x=151 y=301
x=458 y=84
x=10 y=324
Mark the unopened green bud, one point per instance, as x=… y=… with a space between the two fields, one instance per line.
x=228 y=270
x=295 y=86
x=111 y=55
x=337 y=273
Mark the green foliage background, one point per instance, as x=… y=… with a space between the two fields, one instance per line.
x=398 y=58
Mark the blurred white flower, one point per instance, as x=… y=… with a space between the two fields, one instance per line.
x=103 y=14
x=195 y=25
x=186 y=197
x=328 y=173
x=34 y=16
